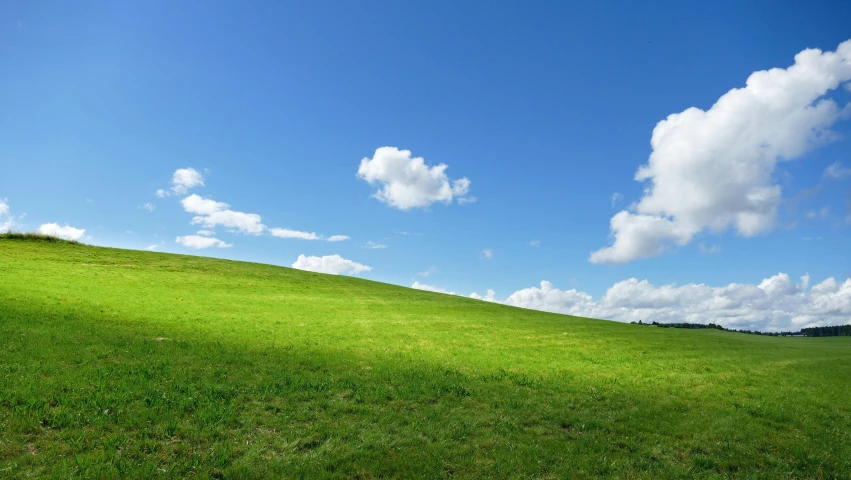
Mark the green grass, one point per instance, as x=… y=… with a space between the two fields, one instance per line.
x=117 y=363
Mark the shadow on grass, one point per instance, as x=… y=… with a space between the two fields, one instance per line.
x=83 y=395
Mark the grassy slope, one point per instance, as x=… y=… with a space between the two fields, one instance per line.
x=116 y=362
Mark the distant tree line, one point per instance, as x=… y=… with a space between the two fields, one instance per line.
x=831 y=331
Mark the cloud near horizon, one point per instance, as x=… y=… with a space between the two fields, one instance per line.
x=6 y=220
x=407 y=182
x=775 y=304
x=67 y=232
x=199 y=242
x=333 y=264
x=430 y=288
x=714 y=170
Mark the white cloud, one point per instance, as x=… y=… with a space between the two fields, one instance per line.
x=211 y=214
x=466 y=200
x=429 y=288
x=149 y=206
x=6 y=220
x=206 y=233
x=182 y=180
x=185 y=178
x=535 y=243
x=775 y=304
x=488 y=253
x=285 y=233
x=244 y=222
x=490 y=296
x=373 y=245
x=67 y=232
x=333 y=264
x=337 y=238
x=197 y=241
x=202 y=206
x=713 y=170
x=152 y=247
x=407 y=182
x=836 y=170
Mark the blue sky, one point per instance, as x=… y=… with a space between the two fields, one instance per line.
x=547 y=110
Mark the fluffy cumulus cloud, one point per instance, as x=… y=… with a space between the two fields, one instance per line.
x=490 y=296
x=776 y=304
x=202 y=206
x=67 y=232
x=6 y=221
x=198 y=242
x=182 y=180
x=714 y=170
x=407 y=182
x=333 y=264
x=210 y=214
x=249 y=223
x=286 y=233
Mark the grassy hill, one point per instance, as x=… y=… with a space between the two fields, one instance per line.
x=117 y=363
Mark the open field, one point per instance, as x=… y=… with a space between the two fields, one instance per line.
x=117 y=363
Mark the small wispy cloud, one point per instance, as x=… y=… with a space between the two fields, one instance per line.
x=616 y=198
x=149 y=206
x=487 y=253
x=371 y=244
x=820 y=214
x=287 y=233
x=338 y=238
x=535 y=243
x=836 y=171
x=709 y=249
x=429 y=271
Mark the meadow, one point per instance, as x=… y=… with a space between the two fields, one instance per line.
x=129 y=364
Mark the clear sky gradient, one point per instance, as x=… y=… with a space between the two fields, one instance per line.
x=546 y=108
